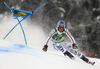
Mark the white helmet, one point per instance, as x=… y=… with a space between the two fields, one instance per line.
x=61 y=23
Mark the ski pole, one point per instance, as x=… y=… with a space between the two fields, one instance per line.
x=88 y=52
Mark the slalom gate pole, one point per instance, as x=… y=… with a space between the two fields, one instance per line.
x=88 y=52
x=7 y=5
x=39 y=8
x=22 y=31
x=12 y=29
x=20 y=22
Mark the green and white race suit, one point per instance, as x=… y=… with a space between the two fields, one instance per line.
x=59 y=43
x=57 y=36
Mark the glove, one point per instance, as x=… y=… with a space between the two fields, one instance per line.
x=74 y=46
x=45 y=48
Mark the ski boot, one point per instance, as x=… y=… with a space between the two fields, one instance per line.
x=87 y=60
x=91 y=62
x=69 y=55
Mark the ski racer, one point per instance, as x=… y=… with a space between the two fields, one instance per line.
x=57 y=37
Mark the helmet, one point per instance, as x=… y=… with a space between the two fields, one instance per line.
x=61 y=24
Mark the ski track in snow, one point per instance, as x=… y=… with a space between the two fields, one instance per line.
x=18 y=56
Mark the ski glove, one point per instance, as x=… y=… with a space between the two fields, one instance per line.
x=74 y=46
x=45 y=48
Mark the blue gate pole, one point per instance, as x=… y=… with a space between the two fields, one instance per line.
x=7 y=5
x=39 y=8
x=12 y=29
x=22 y=31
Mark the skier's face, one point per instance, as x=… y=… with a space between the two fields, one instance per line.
x=61 y=28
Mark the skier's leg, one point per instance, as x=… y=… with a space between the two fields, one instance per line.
x=58 y=47
x=87 y=60
x=66 y=52
x=70 y=49
x=69 y=54
x=80 y=55
x=84 y=59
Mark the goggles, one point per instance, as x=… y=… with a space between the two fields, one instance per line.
x=61 y=27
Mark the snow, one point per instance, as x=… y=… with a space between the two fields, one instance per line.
x=18 y=56
x=98 y=17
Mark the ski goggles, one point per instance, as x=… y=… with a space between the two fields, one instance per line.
x=61 y=27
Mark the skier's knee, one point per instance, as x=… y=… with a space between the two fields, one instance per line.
x=69 y=54
x=66 y=53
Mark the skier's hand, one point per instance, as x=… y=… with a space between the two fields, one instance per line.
x=45 y=48
x=74 y=46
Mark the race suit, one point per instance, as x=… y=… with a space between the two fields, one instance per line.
x=59 y=43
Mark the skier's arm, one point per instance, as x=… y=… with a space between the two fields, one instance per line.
x=70 y=36
x=49 y=36
x=47 y=40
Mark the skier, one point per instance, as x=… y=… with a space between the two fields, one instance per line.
x=57 y=37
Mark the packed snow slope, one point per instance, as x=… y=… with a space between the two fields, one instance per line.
x=18 y=56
